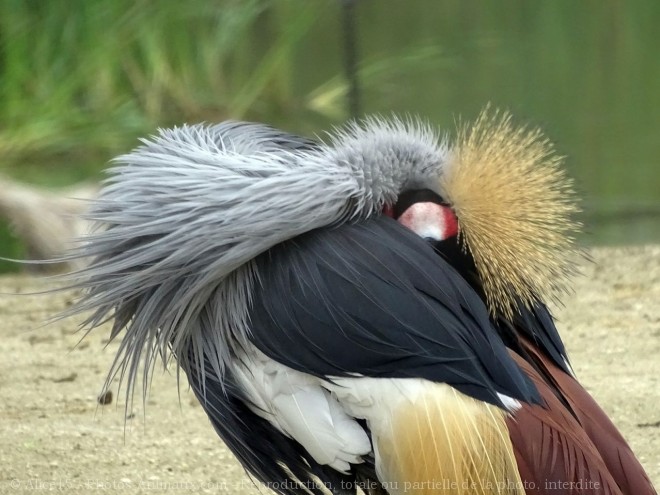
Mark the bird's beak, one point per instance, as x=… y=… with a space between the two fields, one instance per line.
x=432 y=221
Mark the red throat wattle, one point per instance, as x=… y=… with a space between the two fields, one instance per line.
x=430 y=220
x=451 y=222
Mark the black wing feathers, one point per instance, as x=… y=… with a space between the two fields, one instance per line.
x=373 y=298
x=537 y=324
x=264 y=451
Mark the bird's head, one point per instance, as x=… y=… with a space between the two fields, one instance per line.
x=501 y=212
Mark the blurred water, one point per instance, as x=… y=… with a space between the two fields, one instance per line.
x=587 y=72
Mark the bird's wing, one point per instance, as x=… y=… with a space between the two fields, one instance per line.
x=537 y=325
x=271 y=456
x=373 y=299
x=360 y=300
x=596 y=429
x=369 y=311
x=553 y=451
x=301 y=408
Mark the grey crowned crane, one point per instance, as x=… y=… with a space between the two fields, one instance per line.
x=366 y=310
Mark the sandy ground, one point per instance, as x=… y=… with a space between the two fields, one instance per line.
x=55 y=437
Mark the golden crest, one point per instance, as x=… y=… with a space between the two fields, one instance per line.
x=515 y=208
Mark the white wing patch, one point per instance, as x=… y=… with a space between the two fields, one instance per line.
x=322 y=415
x=300 y=407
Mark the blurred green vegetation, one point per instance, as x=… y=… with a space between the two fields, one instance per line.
x=80 y=80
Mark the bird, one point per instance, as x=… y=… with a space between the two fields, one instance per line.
x=365 y=309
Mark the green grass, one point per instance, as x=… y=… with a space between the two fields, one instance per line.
x=82 y=78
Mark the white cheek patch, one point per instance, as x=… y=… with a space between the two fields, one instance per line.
x=427 y=220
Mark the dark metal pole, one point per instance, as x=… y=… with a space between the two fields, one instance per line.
x=351 y=57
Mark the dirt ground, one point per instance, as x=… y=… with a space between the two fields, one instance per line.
x=54 y=437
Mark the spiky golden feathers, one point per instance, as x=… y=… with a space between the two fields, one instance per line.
x=449 y=443
x=515 y=208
